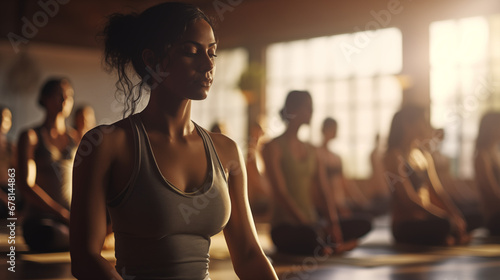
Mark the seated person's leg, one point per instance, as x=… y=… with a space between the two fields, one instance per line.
x=289 y=239
x=355 y=227
x=45 y=235
x=424 y=232
x=474 y=220
x=493 y=225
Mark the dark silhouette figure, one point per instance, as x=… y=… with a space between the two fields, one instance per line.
x=487 y=168
x=45 y=159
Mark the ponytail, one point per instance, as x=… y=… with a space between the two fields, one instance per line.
x=119 y=49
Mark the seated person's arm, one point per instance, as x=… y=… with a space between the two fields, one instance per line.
x=333 y=228
x=247 y=256
x=88 y=212
x=32 y=192
x=435 y=183
x=403 y=192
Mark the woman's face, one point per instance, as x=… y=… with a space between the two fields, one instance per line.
x=304 y=112
x=330 y=131
x=190 y=64
x=61 y=100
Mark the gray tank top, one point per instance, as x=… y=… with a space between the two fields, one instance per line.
x=54 y=171
x=162 y=232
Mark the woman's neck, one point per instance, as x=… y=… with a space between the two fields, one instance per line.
x=55 y=124
x=172 y=118
x=324 y=143
x=292 y=131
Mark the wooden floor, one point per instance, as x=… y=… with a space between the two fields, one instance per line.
x=375 y=258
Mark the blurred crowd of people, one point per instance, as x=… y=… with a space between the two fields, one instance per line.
x=299 y=188
x=411 y=181
x=43 y=160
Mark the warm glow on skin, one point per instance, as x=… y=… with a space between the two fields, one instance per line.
x=6 y=121
x=31 y=173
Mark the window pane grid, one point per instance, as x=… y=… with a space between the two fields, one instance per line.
x=360 y=93
x=225 y=103
x=464 y=61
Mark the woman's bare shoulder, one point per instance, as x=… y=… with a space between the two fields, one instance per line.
x=110 y=137
x=224 y=145
x=273 y=144
x=116 y=129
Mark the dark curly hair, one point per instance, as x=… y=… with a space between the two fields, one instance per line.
x=126 y=36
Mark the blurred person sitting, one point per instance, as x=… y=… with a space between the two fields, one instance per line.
x=465 y=197
x=487 y=170
x=348 y=197
x=422 y=211
x=45 y=159
x=379 y=193
x=295 y=171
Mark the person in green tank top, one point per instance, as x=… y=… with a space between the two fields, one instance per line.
x=296 y=173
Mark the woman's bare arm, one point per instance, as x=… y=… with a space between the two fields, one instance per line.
x=403 y=192
x=439 y=189
x=247 y=256
x=333 y=229
x=88 y=210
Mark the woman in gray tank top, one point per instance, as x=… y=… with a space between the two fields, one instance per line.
x=169 y=185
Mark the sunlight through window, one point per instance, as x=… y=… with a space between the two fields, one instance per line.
x=352 y=82
x=464 y=82
x=225 y=102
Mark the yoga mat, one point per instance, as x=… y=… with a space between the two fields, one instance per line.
x=60 y=257
x=375 y=260
x=384 y=260
x=483 y=250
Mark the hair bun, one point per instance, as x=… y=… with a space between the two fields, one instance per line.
x=120 y=40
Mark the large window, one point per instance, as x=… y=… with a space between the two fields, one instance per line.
x=225 y=102
x=351 y=78
x=465 y=73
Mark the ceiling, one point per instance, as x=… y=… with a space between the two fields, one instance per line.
x=76 y=22
x=251 y=23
